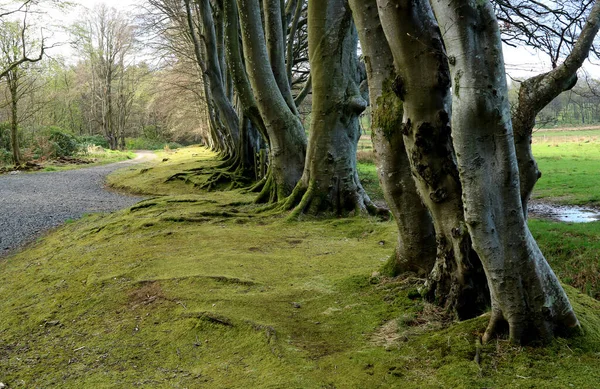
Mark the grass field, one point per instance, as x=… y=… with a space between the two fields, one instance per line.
x=199 y=290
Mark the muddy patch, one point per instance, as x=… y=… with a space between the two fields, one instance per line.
x=563 y=213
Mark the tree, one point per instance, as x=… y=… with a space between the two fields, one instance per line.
x=330 y=182
x=416 y=248
x=105 y=38
x=525 y=292
x=14 y=43
x=422 y=82
x=287 y=142
x=538 y=91
x=481 y=233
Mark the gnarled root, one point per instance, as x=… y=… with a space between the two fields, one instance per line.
x=307 y=200
x=541 y=326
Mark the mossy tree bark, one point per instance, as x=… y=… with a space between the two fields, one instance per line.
x=416 y=237
x=525 y=293
x=330 y=182
x=537 y=92
x=287 y=142
x=423 y=83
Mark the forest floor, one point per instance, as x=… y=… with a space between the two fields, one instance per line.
x=201 y=289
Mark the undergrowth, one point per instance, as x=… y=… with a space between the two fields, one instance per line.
x=195 y=289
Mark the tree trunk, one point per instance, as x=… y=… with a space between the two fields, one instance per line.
x=287 y=141
x=416 y=237
x=537 y=92
x=211 y=67
x=14 y=118
x=276 y=48
x=423 y=83
x=242 y=86
x=330 y=183
x=524 y=291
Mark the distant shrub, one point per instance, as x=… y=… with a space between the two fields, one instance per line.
x=173 y=145
x=65 y=143
x=5 y=157
x=365 y=157
x=148 y=144
x=93 y=140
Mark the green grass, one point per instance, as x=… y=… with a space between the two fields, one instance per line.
x=197 y=289
x=567 y=135
x=570 y=172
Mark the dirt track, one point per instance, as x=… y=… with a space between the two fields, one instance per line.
x=31 y=204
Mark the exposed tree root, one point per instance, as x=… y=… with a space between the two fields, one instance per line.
x=541 y=326
x=306 y=200
x=271 y=192
x=216 y=180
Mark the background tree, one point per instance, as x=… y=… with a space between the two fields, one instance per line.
x=14 y=43
x=105 y=38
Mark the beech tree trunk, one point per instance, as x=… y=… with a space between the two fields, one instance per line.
x=537 y=92
x=330 y=183
x=423 y=83
x=416 y=237
x=525 y=293
x=275 y=38
x=211 y=68
x=287 y=141
x=250 y=131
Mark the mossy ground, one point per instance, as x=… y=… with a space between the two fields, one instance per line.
x=197 y=289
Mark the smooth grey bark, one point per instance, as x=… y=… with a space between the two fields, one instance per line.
x=287 y=142
x=416 y=237
x=525 y=293
x=537 y=92
x=457 y=280
x=330 y=183
x=276 y=49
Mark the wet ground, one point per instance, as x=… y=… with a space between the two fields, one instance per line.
x=563 y=213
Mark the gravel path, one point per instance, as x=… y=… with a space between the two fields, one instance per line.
x=31 y=204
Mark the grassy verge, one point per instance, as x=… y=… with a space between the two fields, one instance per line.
x=97 y=158
x=196 y=289
x=103 y=157
x=570 y=172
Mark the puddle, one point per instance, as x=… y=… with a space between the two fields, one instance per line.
x=564 y=213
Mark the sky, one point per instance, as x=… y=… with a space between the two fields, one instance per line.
x=520 y=62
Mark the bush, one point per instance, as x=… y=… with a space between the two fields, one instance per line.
x=5 y=157
x=65 y=143
x=93 y=140
x=148 y=144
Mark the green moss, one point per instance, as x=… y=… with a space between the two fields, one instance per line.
x=456 y=85
x=388 y=115
x=195 y=289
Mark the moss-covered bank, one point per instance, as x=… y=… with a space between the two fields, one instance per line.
x=197 y=290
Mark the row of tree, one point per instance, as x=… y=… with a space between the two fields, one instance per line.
x=454 y=158
x=454 y=163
